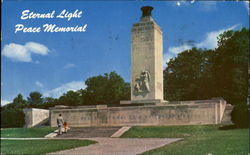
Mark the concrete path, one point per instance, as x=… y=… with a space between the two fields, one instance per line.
x=111 y=146
x=24 y=138
x=105 y=145
x=118 y=146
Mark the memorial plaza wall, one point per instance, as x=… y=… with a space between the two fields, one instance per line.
x=180 y=113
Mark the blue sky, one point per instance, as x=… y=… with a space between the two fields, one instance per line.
x=53 y=63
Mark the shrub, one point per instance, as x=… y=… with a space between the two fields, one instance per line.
x=240 y=115
x=11 y=118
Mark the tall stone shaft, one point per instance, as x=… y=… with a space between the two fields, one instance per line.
x=146 y=59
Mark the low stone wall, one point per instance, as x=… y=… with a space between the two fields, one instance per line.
x=35 y=117
x=186 y=113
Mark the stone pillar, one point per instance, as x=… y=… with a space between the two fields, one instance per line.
x=146 y=60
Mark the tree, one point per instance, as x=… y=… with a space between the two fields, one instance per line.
x=231 y=66
x=13 y=117
x=240 y=115
x=71 y=98
x=203 y=74
x=231 y=70
x=18 y=102
x=35 y=98
x=12 y=114
x=105 y=89
x=19 y=99
x=231 y=73
x=48 y=102
x=185 y=74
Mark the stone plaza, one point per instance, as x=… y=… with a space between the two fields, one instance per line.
x=147 y=106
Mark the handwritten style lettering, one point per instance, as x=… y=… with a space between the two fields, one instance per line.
x=27 y=14
x=64 y=14
x=68 y=15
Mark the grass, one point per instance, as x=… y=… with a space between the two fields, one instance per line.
x=25 y=132
x=36 y=147
x=204 y=140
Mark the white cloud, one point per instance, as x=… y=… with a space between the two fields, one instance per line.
x=203 y=5
x=17 y=52
x=37 y=48
x=210 y=42
x=246 y=3
x=211 y=38
x=166 y=58
x=22 y=53
x=178 y=49
x=4 y=102
x=182 y=3
x=69 y=65
x=57 y=92
x=39 y=84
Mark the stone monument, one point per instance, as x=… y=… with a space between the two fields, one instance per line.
x=146 y=60
x=146 y=106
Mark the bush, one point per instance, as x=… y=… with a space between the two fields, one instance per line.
x=11 y=118
x=240 y=116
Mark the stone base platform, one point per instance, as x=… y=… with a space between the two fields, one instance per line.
x=173 y=113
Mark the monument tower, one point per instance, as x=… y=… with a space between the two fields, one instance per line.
x=146 y=60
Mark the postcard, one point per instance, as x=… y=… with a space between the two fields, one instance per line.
x=124 y=77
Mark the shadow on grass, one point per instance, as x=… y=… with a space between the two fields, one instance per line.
x=231 y=127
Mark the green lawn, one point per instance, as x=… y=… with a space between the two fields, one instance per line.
x=198 y=140
x=37 y=147
x=26 y=132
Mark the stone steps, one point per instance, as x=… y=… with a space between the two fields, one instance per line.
x=89 y=132
x=120 y=132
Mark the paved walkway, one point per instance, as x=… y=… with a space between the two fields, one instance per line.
x=118 y=146
x=24 y=138
x=106 y=145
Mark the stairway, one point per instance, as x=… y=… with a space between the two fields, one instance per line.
x=87 y=132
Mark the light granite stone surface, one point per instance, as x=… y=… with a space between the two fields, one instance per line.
x=185 y=113
x=146 y=56
x=35 y=117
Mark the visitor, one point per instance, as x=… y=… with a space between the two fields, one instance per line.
x=66 y=126
x=60 y=123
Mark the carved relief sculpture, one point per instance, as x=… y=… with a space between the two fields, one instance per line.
x=141 y=86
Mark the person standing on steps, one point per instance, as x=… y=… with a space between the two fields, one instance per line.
x=60 y=123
